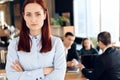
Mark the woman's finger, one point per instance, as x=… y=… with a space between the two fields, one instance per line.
x=16 y=66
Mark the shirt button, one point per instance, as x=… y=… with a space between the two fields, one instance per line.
x=37 y=79
x=40 y=77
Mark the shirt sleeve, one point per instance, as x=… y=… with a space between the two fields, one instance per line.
x=72 y=53
x=37 y=74
x=59 y=63
x=12 y=74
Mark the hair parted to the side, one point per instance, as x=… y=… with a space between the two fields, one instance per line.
x=24 y=41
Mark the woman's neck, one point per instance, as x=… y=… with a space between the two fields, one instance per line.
x=87 y=48
x=35 y=33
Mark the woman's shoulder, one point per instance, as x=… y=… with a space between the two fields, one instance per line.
x=93 y=49
x=14 y=40
x=54 y=38
x=82 y=49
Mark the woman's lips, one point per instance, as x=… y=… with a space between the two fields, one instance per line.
x=33 y=24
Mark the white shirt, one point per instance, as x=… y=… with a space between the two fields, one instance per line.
x=66 y=50
x=33 y=62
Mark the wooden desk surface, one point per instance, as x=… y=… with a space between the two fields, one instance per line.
x=74 y=76
x=2 y=71
x=69 y=75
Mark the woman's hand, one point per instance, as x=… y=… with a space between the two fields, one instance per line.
x=47 y=70
x=17 y=67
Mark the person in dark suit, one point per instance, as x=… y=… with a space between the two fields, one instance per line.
x=72 y=53
x=107 y=66
x=70 y=49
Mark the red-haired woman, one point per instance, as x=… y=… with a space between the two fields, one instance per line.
x=35 y=55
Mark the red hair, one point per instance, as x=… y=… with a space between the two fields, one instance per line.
x=24 y=41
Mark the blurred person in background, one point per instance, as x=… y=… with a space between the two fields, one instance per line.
x=87 y=48
x=88 y=53
x=107 y=66
x=70 y=50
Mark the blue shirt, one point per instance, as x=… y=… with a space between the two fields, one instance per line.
x=33 y=62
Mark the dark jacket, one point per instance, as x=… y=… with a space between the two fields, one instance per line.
x=107 y=66
x=72 y=53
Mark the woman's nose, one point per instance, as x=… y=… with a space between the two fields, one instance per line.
x=33 y=19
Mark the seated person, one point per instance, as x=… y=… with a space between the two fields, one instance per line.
x=70 y=49
x=88 y=53
x=107 y=65
x=87 y=48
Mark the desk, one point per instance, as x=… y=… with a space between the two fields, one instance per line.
x=2 y=75
x=74 y=76
x=2 y=71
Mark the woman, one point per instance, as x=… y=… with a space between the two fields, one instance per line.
x=35 y=55
x=87 y=48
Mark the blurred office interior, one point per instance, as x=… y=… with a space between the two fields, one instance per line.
x=85 y=18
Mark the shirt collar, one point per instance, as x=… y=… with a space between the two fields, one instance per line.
x=38 y=37
x=108 y=50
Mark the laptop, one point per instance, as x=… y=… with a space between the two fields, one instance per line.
x=69 y=69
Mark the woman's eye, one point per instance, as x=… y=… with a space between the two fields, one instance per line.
x=38 y=14
x=28 y=15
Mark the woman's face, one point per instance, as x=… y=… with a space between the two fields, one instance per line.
x=87 y=43
x=34 y=16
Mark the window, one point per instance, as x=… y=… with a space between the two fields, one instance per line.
x=94 y=16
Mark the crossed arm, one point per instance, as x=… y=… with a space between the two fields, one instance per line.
x=17 y=67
